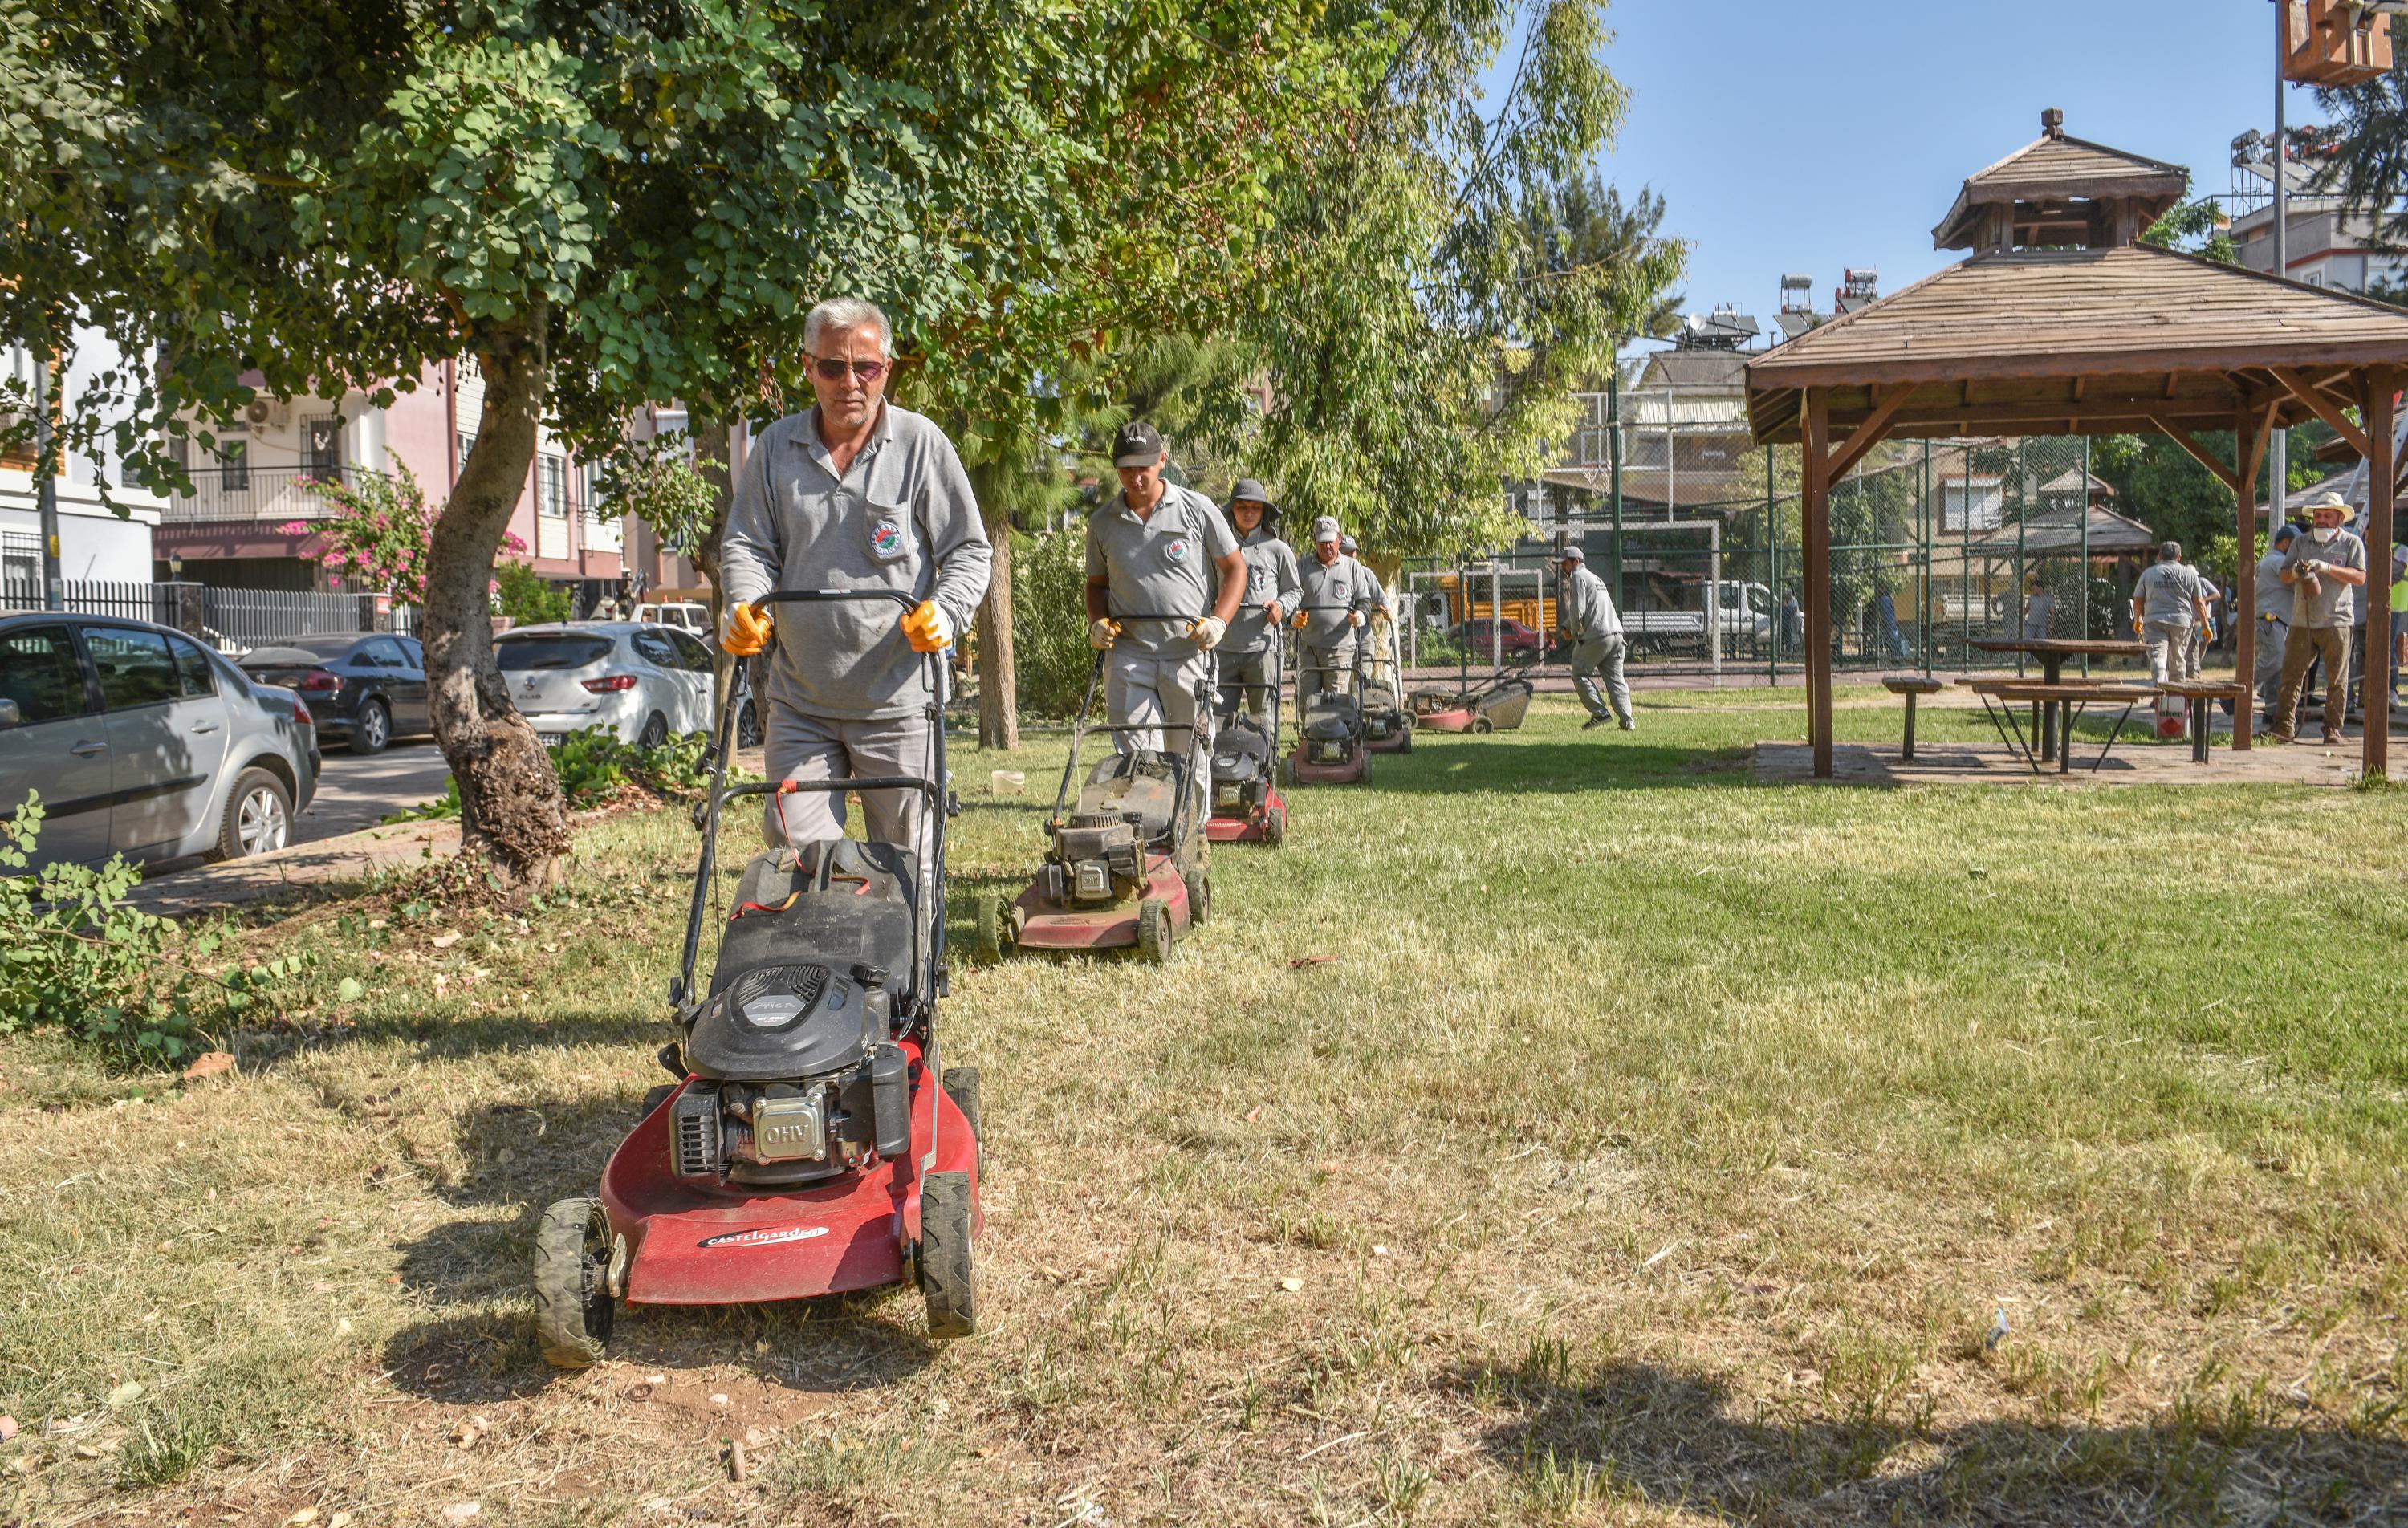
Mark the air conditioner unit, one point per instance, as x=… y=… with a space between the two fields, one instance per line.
x=266 y=414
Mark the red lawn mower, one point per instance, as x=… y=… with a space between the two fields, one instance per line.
x=1495 y=704
x=1247 y=807
x=812 y=1143
x=1124 y=868
x=1330 y=744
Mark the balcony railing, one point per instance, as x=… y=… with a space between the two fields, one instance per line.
x=269 y=495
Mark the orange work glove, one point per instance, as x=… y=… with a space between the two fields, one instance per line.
x=928 y=628
x=747 y=631
x=1299 y=621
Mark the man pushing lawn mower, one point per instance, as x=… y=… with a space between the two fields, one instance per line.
x=854 y=495
x=1272 y=594
x=1338 y=591
x=1591 y=632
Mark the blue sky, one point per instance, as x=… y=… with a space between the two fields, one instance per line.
x=1815 y=134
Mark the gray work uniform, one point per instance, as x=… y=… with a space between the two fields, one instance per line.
x=2164 y=595
x=2321 y=627
x=842 y=692
x=1246 y=673
x=1325 y=654
x=2273 y=614
x=1155 y=675
x=2039 y=613
x=1590 y=626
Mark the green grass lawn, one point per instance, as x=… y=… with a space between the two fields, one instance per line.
x=1567 y=1129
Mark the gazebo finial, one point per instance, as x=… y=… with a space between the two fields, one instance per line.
x=2052 y=123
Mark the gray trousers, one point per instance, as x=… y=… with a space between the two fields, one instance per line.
x=816 y=747
x=1246 y=678
x=1330 y=668
x=2272 y=634
x=1162 y=696
x=2170 y=651
x=1592 y=655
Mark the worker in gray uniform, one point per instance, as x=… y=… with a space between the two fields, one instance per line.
x=1374 y=591
x=1272 y=594
x=2274 y=601
x=1335 y=589
x=1156 y=548
x=1589 y=627
x=853 y=494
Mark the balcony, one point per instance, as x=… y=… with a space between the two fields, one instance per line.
x=255 y=496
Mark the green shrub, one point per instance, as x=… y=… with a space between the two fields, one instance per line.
x=527 y=597
x=594 y=765
x=1048 y=621
x=77 y=956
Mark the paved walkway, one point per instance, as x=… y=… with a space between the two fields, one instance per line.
x=298 y=870
x=1991 y=764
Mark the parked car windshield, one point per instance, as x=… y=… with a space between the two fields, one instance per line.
x=559 y=649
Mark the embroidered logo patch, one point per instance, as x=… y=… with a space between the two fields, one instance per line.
x=1175 y=550
x=886 y=541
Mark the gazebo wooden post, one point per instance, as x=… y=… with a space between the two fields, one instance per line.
x=1816 y=504
x=2247 y=438
x=2379 y=383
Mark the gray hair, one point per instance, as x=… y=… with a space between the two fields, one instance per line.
x=847 y=313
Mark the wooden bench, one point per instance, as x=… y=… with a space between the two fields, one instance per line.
x=1912 y=686
x=2202 y=694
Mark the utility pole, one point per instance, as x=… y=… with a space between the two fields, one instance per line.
x=46 y=487
x=2278 y=450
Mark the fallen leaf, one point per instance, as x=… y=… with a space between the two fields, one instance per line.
x=349 y=990
x=376 y=923
x=445 y=941
x=468 y=1431
x=1302 y=961
x=462 y=1512
x=210 y=1063
x=306 y=1515
x=1291 y=1285
x=340 y=1519
x=1255 y=1114
x=124 y=1395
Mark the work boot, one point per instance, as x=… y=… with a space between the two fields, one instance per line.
x=1594 y=723
x=2278 y=734
x=2332 y=739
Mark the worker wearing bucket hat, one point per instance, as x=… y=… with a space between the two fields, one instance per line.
x=1335 y=598
x=2324 y=570
x=1156 y=548
x=1588 y=625
x=1272 y=594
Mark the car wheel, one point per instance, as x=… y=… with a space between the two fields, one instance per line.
x=656 y=732
x=748 y=727
x=258 y=817
x=374 y=733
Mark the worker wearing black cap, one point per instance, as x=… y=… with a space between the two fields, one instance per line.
x=1271 y=596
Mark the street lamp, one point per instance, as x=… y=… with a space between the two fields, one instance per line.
x=175 y=567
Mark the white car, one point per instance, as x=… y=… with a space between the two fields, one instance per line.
x=685 y=615
x=646 y=683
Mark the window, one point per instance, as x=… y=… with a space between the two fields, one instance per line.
x=521 y=654
x=322 y=446
x=552 y=484
x=654 y=648
x=693 y=654
x=1977 y=505
x=233 y=464
x=135 y=668
x=38 y=671
x=194 y=665
x=412 y=656
x=20 y=569
x=466 y=443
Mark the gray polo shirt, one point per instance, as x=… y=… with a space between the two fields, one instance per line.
x=1162 y=564
x=1586 y=611
x=2275 y=596
x=2165 y=594
x=1271 y=575
x=1328 y=594
x=902 y=519
x=2335 y=602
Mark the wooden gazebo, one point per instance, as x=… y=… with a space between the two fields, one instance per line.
x=2063 y=323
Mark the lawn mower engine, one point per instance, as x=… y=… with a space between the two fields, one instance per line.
x=1098 y=854
x=1242 y=765
x=795 y=1073
x=1333 y=724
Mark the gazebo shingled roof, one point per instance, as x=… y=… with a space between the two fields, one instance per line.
x=2056 y=184
x=2106 y=337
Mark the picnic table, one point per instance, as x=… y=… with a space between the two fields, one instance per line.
x=2053 y=651
x=2202 y=694
x=2071 y=696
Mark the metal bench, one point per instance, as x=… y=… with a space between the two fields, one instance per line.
x=1912 y=686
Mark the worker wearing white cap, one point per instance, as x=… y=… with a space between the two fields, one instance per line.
x=1587 y=623
x=1334 y=606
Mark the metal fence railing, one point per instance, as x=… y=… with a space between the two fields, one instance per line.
x=233 y=621
x=261 y=495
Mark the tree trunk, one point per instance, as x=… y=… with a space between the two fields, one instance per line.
x=998 y=681
x=511 y=810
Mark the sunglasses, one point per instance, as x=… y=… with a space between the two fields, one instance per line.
x=834 y=370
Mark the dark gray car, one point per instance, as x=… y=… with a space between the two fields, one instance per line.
x=145 y=743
